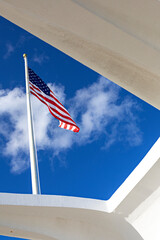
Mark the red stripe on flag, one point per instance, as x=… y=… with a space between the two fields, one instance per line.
x=55 y=107
x=51 y=96
x=63 y=121
x=61 y=115
x=53 y=103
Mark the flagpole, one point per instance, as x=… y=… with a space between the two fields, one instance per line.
x=33 y=158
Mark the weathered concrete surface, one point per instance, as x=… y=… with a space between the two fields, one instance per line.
x=132 y=212
x=118 y=39
x=49 y=217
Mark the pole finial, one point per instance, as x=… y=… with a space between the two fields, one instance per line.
x=24 y=55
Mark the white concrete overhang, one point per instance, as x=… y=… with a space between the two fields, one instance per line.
x=118 y=39
x=121 y=41
x=43 y=217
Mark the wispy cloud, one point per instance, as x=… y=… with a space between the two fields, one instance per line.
x=97 y=109
x=9 y=50
x=40 y=58
x=11 y=47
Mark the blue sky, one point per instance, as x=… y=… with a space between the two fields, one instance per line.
x=117 y=129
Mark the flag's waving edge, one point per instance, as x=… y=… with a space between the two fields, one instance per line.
x=68 y=126
x=40 y=90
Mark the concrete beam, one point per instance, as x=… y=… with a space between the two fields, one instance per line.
x=56 y=218
x=118 y=39
x=128 y=214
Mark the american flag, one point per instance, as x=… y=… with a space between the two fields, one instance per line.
x=40 y=89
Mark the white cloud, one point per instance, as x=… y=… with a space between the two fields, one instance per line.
x=97 y=110
x=40 y=58
x=9 y=50
x=12 y=47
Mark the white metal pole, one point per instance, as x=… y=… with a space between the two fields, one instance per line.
x=33 y=158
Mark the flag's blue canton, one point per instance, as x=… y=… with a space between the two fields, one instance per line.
x=36 y=80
